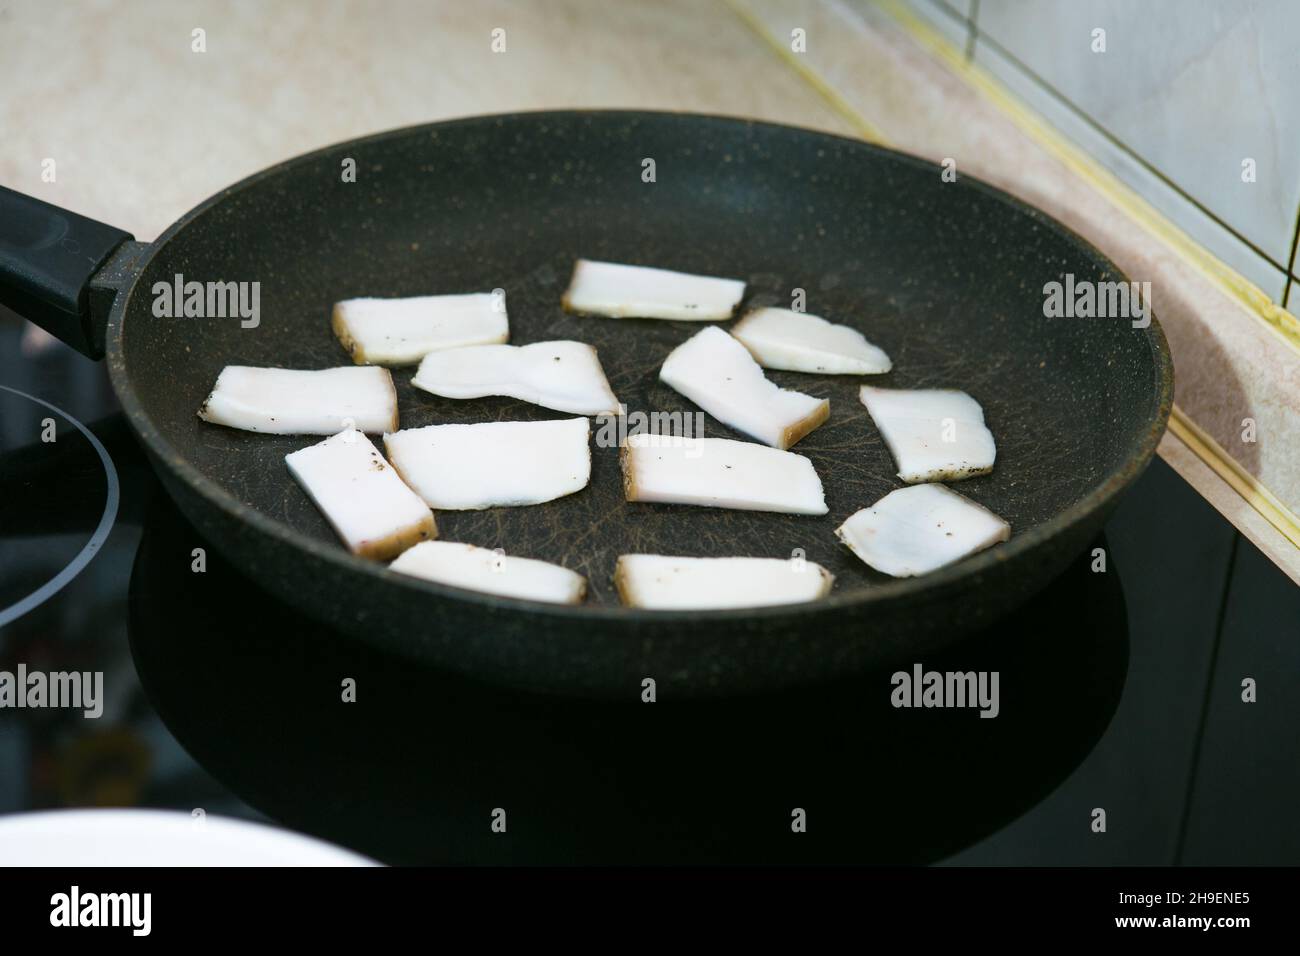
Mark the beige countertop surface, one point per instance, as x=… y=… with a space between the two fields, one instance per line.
x=142 y=128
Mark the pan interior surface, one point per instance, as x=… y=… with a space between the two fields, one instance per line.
x=947 y=277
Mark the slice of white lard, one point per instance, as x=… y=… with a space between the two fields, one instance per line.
x=622 y=291
x=661 y=582
x=920 y=529
x=361 y=496
x=565 y=376
x=803 y=342
x=719 y=473
x=467 y=467
x=284 y=401
x=492 y=572
x=403 y=331
x=718 y=374
x=934 y=434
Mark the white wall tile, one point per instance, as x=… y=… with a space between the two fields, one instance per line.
x=1168 y=201
x=1192 y=86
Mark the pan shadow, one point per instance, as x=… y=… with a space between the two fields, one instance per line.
x=411 y=772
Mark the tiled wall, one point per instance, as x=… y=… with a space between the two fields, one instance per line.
x=1184 y=102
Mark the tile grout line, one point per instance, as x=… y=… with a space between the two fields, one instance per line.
x=1290 y=272
x=973 y=26
x=1206 y=698
x=968 y=23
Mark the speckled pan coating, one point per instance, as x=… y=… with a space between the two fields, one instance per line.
x=947 y=278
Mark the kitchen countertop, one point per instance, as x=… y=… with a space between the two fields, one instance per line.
x=141 y=127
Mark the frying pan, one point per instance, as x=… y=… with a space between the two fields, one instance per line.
x=947 y=277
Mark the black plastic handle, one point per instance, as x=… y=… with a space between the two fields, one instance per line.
x=47 y=258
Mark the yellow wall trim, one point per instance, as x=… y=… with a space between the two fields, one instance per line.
x=1243 y=482
x=864 y=128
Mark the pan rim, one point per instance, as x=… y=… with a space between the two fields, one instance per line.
x=901 y=590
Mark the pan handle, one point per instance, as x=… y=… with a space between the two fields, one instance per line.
x=48 y=257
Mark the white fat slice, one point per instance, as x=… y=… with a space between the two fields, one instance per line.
x=718 y=374
x=467 y=467
x=916 y=530
x=666 y=583
x=361 y=496
x=403 y=331
x=801 y=342
x=719 y=473
x=934 y=434
x=493 y=572
x=620 y=291
x=565 y=376
x=284 y=401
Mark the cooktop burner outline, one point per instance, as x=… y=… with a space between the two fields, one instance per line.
x=97 y=537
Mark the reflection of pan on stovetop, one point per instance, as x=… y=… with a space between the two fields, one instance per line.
x=411 y=771
x=947 y=277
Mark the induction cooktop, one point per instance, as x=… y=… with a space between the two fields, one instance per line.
x=1144 y=711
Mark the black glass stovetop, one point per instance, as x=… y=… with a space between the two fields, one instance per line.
x=1120 y=690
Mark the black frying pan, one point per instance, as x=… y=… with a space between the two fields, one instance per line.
x=947 y=277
